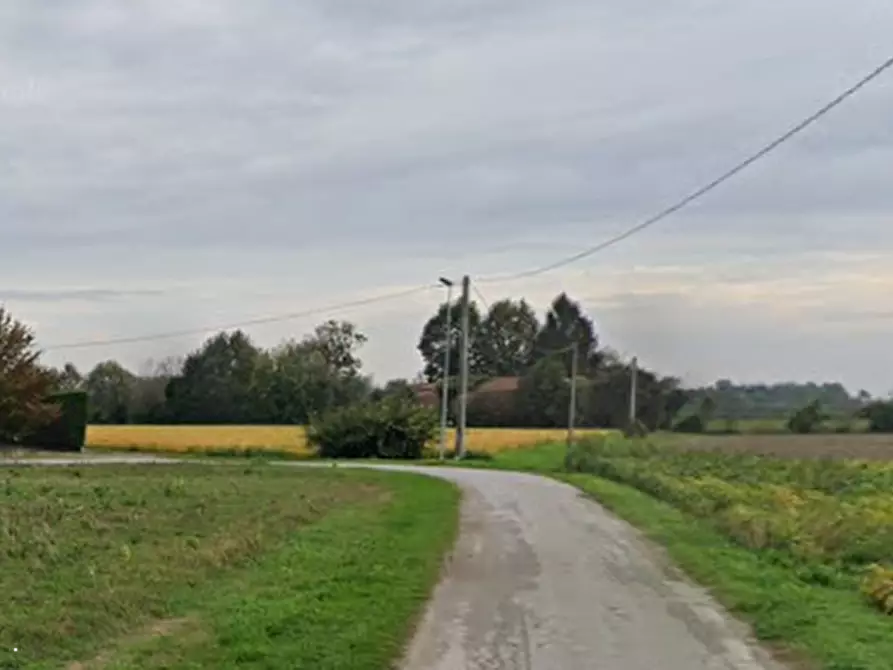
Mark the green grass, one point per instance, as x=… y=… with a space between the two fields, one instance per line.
x=226 y=566
x=815 y=617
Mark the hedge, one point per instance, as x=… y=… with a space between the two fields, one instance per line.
x=68 y=431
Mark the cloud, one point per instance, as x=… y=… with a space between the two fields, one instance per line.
x=243 y=159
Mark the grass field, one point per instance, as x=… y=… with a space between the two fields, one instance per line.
x=785 y=543
x=288 y=439
x=249 y=566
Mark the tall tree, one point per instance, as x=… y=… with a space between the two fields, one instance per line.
x=68 y=378
x=338 y=342
x=216 y=384
x=110 y=387
x=433 y=341
x=565 y=325
x=544 y=394
x=24 y=383
x=506 y=339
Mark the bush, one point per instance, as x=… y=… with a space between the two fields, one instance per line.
x=392 y=428
x=692 y=423
x=880 y=416
x=67 y=431
x=807 y=419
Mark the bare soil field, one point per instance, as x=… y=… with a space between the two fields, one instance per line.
x=873 y=447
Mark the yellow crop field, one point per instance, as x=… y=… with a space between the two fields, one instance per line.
x=283 y=438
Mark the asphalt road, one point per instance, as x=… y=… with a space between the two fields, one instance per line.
x=545 y=579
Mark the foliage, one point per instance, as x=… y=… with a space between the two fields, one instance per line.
x=565 y=325
x=506 y=339
x=110 y=388
x=68 y=429
x=880 y=416
x=544 y=394
x=433 y=340
x=23 y=382
x=773 y=401
x=392 y=428
x=807 y=419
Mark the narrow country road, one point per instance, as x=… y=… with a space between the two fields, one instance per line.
x=544 y=579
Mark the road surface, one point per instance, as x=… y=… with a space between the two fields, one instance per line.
x=544 y=579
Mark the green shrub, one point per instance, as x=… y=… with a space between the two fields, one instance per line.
x=692 y=423
x=392 y=428
x=880 y=416
x=807 y=419
x=67 y=431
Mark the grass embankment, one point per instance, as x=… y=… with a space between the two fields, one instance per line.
x=193 y=566
x=786 y=544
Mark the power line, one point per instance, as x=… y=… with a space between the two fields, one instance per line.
x=242 y=324
x=704 y=190
x=480 y=295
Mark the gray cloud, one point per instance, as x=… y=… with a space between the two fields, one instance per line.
x=250 y=157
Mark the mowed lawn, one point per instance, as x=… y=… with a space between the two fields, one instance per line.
x=288 y=439
x=197 y=566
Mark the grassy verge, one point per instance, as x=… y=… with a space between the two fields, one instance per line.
x=815 y=617
x=193 y=566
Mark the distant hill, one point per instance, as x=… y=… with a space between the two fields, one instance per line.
x=770 y=401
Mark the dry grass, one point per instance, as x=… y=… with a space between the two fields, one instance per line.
x=291 y=439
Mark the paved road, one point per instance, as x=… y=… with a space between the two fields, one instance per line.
x=544 y=579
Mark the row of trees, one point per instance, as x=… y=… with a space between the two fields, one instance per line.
x=510 y=341
x=231 y=380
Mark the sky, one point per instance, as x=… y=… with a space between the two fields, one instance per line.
x=190 y=165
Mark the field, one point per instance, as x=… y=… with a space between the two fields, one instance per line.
x=289 y=439
x=875 y=447
x=245 y=565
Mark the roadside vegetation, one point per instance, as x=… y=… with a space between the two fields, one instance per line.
x=801 y=548
x=215 y=566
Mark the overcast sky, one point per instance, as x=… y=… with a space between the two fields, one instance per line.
x=181 y=165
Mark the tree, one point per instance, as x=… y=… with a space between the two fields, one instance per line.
x=506 y=339
x=807 y=419
x=24 y=383
x=566 y=325
x=110 y=388
x=544 y=394
x=338 y=342
x=68 y=378
x=216 y=384
x=432 y=343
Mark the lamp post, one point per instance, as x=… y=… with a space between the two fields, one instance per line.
x=445 y=382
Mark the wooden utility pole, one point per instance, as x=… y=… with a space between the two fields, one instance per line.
x=463 y=371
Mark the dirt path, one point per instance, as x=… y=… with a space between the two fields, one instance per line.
x=544 y=579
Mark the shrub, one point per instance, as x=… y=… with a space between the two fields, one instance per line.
x=692 y=423
x=67 y=431
x=880 y=416
x=807 y=419
x=392 y=428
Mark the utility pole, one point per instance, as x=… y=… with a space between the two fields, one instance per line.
x=445 y=382
x=633 y=390
x=572 y=409
x=463 y=371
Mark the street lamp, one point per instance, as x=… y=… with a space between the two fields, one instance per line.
x=445 y=383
